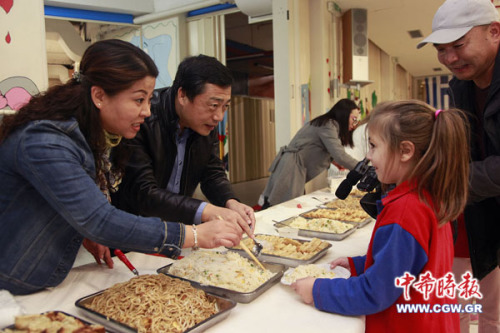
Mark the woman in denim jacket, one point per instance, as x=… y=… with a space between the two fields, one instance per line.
x=61 y=157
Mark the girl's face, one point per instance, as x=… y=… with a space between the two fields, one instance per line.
x=123 y=113
x=388 y=166
x=353 y=119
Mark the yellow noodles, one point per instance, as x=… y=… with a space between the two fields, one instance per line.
x=155 y=303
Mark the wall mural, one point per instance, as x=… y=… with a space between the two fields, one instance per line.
x=7 y=5
x=16 y=91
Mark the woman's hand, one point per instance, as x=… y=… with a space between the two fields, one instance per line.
x=217 y=233
x=100 y=252
x=304 y=288
x=342 y=262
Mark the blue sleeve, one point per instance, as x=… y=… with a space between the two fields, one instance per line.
x=199 y=211
x=359 y=264
x=395 y=251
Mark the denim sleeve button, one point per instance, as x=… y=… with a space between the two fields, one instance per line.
x=156 y=249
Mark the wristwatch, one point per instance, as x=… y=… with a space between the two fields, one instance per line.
x=195 y=234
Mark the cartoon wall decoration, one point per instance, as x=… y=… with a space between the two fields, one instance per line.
x=7 y=5
x=24 y=57
x=15 y=92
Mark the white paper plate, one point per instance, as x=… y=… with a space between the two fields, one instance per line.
x=340 y=273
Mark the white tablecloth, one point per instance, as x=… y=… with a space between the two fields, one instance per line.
x=277 y=310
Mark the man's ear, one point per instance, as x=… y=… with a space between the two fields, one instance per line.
x=407 y=150
x=181 y=96
x=97 y=94
x=494 y=30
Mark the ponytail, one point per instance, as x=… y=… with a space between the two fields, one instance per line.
x=444 y=168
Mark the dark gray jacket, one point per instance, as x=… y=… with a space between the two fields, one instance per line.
x=482 y=214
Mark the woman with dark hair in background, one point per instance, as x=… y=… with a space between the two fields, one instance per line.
x=312 y=149
x=61 y=157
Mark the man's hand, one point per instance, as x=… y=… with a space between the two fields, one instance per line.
x=212 y=212
x=246 y=212
x=100 y=252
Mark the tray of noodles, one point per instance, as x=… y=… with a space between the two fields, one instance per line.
x=355 y=216
x=320 y=228
x=287 y=251
x=155 y=303
x=225 y=274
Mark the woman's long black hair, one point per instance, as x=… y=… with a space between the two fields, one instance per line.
x=340 y=112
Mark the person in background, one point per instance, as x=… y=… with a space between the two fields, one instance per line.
x=466 y=35
x=61 y=157
x=177 y=149
x=316 y=145
x=423 y=152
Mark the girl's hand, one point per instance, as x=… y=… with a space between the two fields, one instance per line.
x=342 y=262
x=304 y=288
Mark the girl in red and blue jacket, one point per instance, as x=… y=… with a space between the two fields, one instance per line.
x=423 y=152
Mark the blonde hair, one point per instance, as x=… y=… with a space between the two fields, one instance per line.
x=441 y=151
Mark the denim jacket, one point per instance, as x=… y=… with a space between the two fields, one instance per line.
x=49 y=202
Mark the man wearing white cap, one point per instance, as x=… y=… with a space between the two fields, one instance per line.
x=466 y=35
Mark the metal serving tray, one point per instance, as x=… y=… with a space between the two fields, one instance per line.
x=354 y=223
x=224 y=305
x=287 y=261
x=313 y=233
x=13 y=327
x=237 y=296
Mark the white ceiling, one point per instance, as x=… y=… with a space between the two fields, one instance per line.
x=388 y=24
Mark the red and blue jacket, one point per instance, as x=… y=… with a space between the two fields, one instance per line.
x=406 y=239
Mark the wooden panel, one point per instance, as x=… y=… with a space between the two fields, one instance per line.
x=251 y=138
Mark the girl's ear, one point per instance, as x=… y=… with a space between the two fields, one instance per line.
x=407 y=151
x=97 y=94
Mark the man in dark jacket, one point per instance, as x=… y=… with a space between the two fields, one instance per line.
x=177 y=148
x=466 y=35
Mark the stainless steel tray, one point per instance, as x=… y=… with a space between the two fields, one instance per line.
x=12 y=327
x=237 y=296
x=312 y=233
x=287 y=261
x=354 y=223
x=224 y=305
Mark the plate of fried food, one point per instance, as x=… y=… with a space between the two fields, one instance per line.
x=355 y=216
x=287 y=251
x=323 y=228
x=315 y=271
x=52 y=321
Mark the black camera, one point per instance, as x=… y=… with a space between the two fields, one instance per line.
x=362 y=173
x=366 y=179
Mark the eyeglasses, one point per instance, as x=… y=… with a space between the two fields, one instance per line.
x=355 y=120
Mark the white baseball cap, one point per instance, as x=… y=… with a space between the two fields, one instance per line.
x=455 y=18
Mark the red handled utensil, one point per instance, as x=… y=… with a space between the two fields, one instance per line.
x=125 y=260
